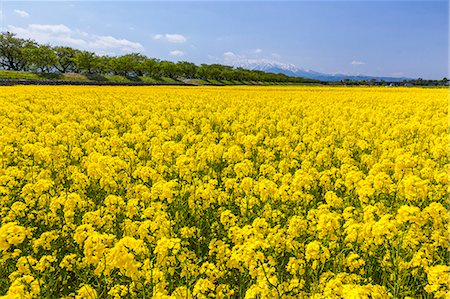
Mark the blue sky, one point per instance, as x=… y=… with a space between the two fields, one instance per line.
x=380 y=38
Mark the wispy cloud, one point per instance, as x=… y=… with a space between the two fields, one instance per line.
x=225 y=38
x=50 y=29
x=109 y=42
x=257 y=51
x=171 y=38
x=357 y=62
x=21 y=13
x=176 y=53
x=230 y=56
x=60 y=34
x=275 y=55
x=233 y=59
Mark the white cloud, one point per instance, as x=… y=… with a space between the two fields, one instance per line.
x=176 y=53
x=109 y=42
x=53 y=29
x=60 y=34
x=229 y=56
x=257 y=51
x=21 y=13
x=357 y=62
x=171 y=38
x=175 y=38
x=51 y=34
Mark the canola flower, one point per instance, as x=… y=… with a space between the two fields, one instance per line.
x=233 y=192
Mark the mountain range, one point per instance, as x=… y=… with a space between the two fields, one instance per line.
x=294 y=71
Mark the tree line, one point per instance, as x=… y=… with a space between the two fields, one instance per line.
x=19 y=54
x=406 y=82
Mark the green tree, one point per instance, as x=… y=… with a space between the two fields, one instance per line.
x=40 y=57
x=86 y=62
x=13 y=52
x=128 y=65
x=169 y=69
x=187 y=69
x=202 y=72
x=103 y=65
x=65 y=59
x=150 y=68
x=213 y=71
x=228 y=75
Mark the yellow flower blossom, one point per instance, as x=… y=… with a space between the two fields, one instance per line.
x=86 y=292
x=26 y=287
x=11 y=234
x=224 y=192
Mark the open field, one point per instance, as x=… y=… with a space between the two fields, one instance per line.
x=230 y=192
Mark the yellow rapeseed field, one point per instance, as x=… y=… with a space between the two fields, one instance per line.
x=223 y=192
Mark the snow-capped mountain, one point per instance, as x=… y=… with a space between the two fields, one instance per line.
x=265 y=65
x=268 y=65
x=294 y=71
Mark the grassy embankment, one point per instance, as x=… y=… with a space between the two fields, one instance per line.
x=71 y=77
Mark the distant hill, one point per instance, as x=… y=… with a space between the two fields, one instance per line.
x=294 y=71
